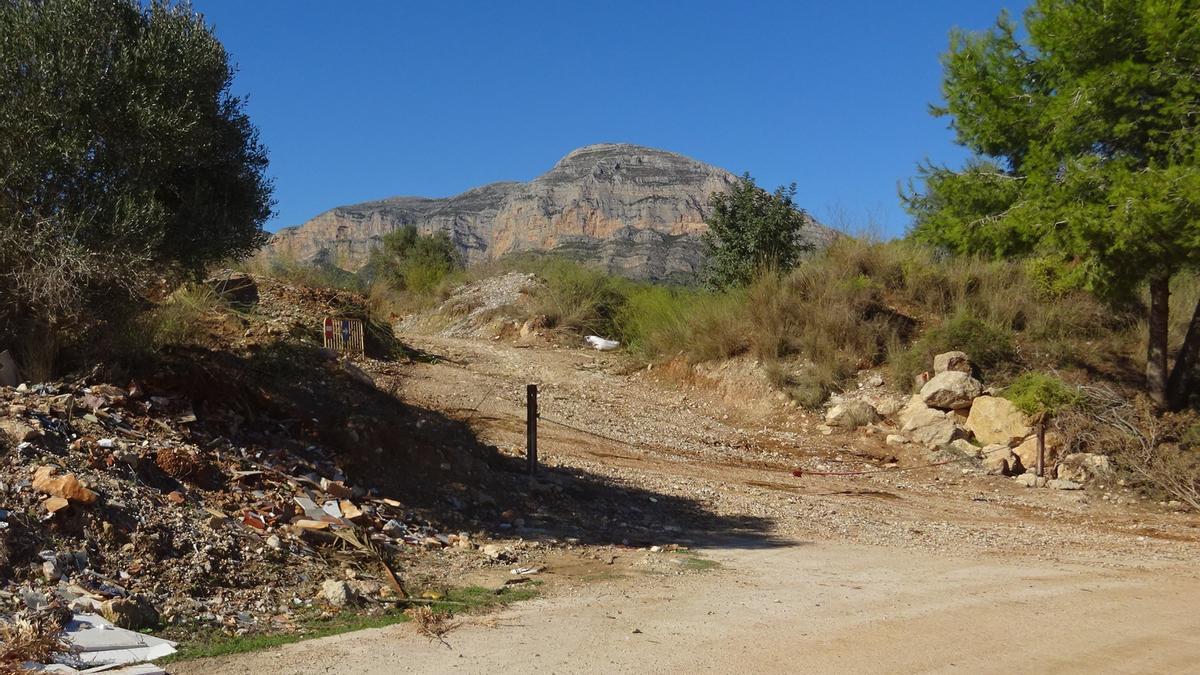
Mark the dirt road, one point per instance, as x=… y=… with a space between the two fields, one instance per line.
x=928 y=570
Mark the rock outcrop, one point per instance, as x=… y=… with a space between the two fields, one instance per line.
x=637 y=211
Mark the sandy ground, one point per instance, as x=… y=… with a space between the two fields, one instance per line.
x=932 y=570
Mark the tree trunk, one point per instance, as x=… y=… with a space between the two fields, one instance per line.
x=1179 y=386
x=1156 y=352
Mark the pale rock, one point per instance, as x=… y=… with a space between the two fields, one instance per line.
x=1027 y=450
x=951 y=390
x=851 y=414
x=915 y=413
x=17 y=431
x=1030 y=479
x=337 y=593
x=132 y=613
x=999 y=460
x=932 y=428
x=963 y=447
x=997 y=420
x=958 y=361
x=1060 y=484
x=896 y=439
x=1081 y=467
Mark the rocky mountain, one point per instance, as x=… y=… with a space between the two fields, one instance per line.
x=637 y=211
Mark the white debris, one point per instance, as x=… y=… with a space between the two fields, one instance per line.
x=601 y=344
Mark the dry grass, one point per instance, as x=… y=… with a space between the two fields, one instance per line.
x=1160 y=454
x=433 y=624
x=30 y=636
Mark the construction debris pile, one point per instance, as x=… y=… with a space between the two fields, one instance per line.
x=216 y=490
x=112 y=506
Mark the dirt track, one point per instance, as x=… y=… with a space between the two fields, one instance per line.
x=929 y=570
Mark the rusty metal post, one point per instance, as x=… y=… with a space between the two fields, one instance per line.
x=531 y=418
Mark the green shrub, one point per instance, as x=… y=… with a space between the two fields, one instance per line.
x=1035 y=392
x=575 y=297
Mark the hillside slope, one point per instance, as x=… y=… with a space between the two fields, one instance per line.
x=634 y=210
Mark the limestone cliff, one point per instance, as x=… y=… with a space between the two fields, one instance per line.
x=637 y=211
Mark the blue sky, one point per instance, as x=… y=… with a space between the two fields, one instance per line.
x=363 y=100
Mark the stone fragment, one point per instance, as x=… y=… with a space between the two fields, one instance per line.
x=963 y=447
x=951 y=361
x=851 y=414
x=338 y=593
x=68 y=487
x=133 y=613
x=17 y=431
x=335 y=489
x=951 y=390
x=1060 y=484
x=494 y=552
x=1030 y=479
x=997 y=420
x=896 y=439
x=54 y=504
x=1084 y=466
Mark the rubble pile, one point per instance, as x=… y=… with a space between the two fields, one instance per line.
x=112 y=506
x=222 y=487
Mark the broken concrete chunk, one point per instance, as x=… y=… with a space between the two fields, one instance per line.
x=338 y=593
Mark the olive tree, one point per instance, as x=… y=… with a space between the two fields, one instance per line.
x=124 y=158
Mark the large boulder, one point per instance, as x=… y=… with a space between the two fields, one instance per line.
x=1028 y=452
x=997 y=420
x=951 y=390
x=851 y=414
x=958 y=361
x=927 y=426
x=1081 y=467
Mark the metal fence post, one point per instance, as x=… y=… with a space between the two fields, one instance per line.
x=531 y=417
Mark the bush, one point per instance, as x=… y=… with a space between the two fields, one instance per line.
x=575 y=297
x=412 y=262
x=1038 y=392
x=126 y=160
x=990 y=347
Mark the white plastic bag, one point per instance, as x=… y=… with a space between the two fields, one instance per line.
x=600 y=344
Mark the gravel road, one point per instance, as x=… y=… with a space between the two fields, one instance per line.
x=929 y=570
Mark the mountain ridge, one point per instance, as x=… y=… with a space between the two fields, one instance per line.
x=635 y=210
